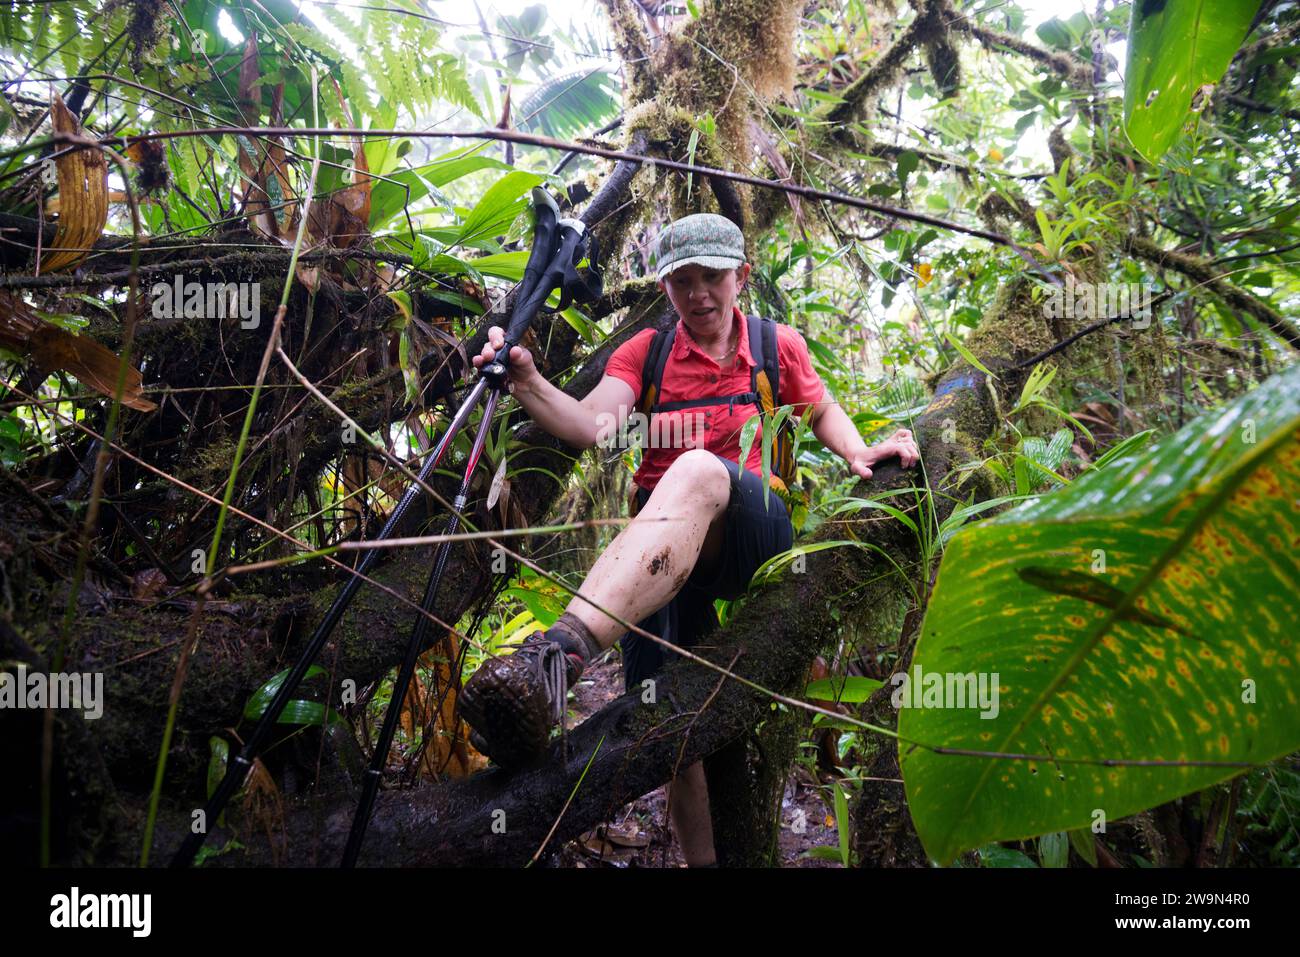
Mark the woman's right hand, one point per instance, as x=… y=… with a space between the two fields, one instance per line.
x=520 y=370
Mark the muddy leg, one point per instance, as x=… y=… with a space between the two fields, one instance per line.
x=648 y=563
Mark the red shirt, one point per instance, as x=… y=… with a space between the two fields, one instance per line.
x=690 y=374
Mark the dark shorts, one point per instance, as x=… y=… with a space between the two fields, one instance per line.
x=754 y=533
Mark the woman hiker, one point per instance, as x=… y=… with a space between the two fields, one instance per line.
x=703 y=526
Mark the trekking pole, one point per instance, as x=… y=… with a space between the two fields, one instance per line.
x=242 y=762
x=378 y=761
x=574 y=244
x=545 y=240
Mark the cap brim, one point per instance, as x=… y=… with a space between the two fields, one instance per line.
x=708 y=262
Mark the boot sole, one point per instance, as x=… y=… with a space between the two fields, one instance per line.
x=502 y=727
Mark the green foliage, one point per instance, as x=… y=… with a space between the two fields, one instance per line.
x=390 y=53
x=397 y=191
x=840 y=853
x=885 y=305
x=1270 y=813
x=571 y=104
x=850 y=689
x=994 y=855
x=12 y=439
x=1116 y=614
x=297 y=711
x=1176 y=48
x=1054 y=850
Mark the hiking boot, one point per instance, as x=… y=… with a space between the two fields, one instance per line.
x=512 y=703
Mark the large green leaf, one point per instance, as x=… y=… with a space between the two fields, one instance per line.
x=1175 y=47
x=388 y=196
x=499 y=206
x=296 y=711
x=1145 y=613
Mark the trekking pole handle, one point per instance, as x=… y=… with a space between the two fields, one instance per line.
x=573 y=239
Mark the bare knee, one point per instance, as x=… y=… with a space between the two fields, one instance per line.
x=699 y=476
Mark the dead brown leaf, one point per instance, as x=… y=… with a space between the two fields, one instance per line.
x=83 y=196
x=24 y=332
x=448 y=752
x=148 y=584
x=264 y=160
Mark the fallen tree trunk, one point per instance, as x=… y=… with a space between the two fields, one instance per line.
x=629 y=748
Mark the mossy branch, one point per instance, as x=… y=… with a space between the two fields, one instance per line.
x=883 y=73
x=1071 y=68
x=1203 y=273
x=633 y=45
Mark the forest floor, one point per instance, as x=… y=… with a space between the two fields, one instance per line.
x=638 y=835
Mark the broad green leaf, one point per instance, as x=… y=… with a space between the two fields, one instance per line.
x=1175 y=47
x=381 y=151
x=499 y=205
x=959 y=515
x=503 y=265
x=907 y=164
x=842 y=821
x=218 y=756
x=297 y=711
x=748 y=431
x=1054 y=850
x=1084 y=844
x=1062 y=34
x=545 y=608
x=1146 y=613
x=824 y=853
x=996 y=856
x=410 y=368
x=514 y=632
x=389 y=195
x=582 y=325
x=849 y=690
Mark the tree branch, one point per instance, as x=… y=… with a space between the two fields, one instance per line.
x=1202 y=272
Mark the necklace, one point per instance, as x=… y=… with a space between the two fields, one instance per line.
x=726 y=355
x=722 y=358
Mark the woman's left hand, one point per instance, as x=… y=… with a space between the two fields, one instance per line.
x=901 y=443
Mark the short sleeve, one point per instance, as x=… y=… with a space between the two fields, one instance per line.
x=800 y=384
x=629 y=359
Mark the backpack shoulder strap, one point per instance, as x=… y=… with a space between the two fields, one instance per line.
x=767 y=384
x=652 y=373
x=772 y=358
x=762 y=347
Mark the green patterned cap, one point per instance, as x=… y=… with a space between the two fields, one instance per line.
x=707 y=239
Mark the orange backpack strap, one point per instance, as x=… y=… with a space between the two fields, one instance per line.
x=762 y=346
x=767 y=384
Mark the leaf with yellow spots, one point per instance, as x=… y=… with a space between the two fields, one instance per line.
x=1067 y=581
x=1139 y=626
